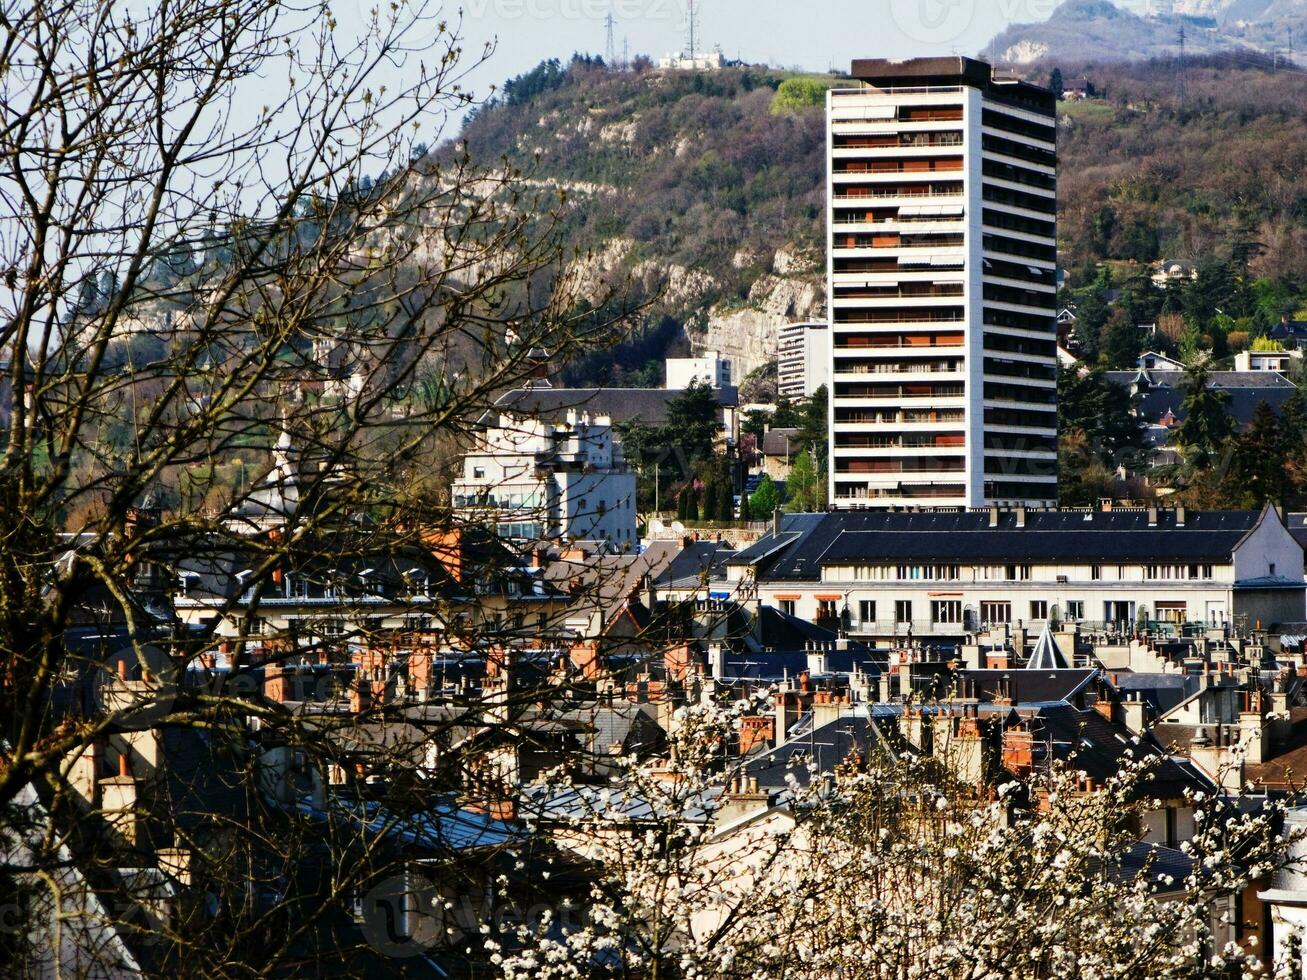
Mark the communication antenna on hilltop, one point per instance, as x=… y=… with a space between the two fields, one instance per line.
x=626 y=51
x=610 y=52
x=1179 y=75
x=693 y=17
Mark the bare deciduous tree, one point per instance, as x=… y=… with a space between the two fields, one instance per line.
x=246 y=322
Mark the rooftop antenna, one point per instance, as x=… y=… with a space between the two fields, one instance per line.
x=1179 y=77
x=610 y=51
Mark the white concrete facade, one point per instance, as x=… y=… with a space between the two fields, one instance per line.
x=1267 y=360
x=1257 y=585
x=941 y=284
x=802 y=359
x=541 y=479
x=708 y=368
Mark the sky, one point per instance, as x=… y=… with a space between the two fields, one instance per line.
x=814 y=35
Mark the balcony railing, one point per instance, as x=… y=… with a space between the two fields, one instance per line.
x=891 y=192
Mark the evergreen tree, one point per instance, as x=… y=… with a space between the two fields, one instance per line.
x=1207 y=423
x=814 y=428
x=1055 y=82
x=1121 y=347
x=694 y=421
x=1258 y=471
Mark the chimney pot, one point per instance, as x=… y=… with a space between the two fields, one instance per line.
x=124 y=764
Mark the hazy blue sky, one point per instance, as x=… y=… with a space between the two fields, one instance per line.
x=813 y=35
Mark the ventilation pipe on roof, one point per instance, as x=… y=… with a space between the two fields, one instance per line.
x=1021 y=516
x=1152 y=516
x=993 y=516
x=1179 y=516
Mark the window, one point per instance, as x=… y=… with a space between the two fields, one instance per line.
x=478 y=472
x=1039 y=609
x=1096 y=572
x=1272 y=569
x=1075 y=610
x=826 y=609
x=1172 y=612
x=996 y=612
x=866 y=611
x=902 y=611
x=787 y=606
x=946 y=610
x=1015 y=573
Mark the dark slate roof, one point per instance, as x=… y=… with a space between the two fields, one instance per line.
x=696 y=557
x=1029 y=686
x=824 y=749
x=1097 y=747
x=781 y=442
x=1247 y=390
x=1295 y=329
x=648 y=405
x=1165 y=867
x=1297 y=524
x=808 y=541
x=1162 y=691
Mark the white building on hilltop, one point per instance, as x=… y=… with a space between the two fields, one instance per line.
x=941 y=284
x=709 y=368
x=698 y=61
x=559 y=478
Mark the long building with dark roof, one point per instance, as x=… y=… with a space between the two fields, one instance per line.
x=942 y=574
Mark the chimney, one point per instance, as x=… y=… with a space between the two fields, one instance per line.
x=276 y=683
x=776 y=522
x=84 y=775
x=717 y=659
x=755 y=730
x=993 y=516
x=741 y=796
x=1135 y=713
x=1018 y=751
x=1152 y=515
x=1179 y=516
x=360 y=695
x=118 y=795
x=817 y=663
x=1250 y=736
x=1021 y=516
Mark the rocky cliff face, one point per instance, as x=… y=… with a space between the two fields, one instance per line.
x=747 y=336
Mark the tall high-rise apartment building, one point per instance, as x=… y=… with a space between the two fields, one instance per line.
x=802 y=359
x=941 y=272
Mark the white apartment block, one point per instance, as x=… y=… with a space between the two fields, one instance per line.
x=941 y=574
x=802 y=359
x=941 y=272
x=709 y=368
x=542 y=478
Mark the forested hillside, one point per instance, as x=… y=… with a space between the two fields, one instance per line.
x=690 y=184
x=1207 y=165
x=705 y=190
